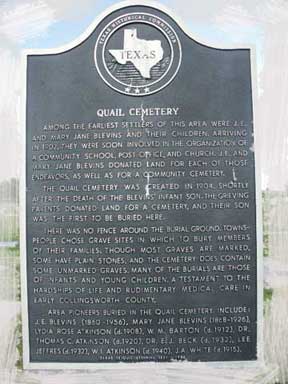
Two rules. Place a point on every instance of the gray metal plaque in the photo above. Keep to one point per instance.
(140, 224)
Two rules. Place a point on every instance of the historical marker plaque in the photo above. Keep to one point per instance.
(140, 237)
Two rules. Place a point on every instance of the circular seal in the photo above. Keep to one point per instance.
(138, 54)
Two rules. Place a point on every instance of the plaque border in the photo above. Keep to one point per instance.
(27, 364)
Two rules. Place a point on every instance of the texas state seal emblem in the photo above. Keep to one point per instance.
(138, 54)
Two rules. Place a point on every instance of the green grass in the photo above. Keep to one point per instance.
(268, 293)
(10, 260)
(19, 345)
(9, 228)
(266, 205)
